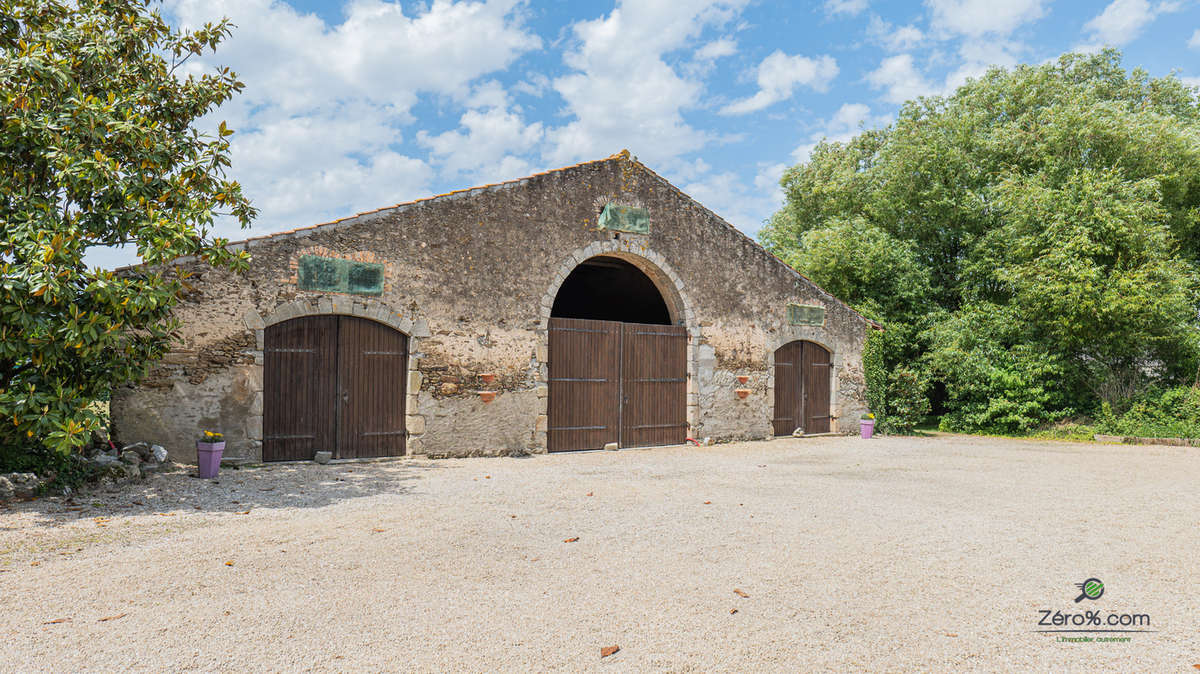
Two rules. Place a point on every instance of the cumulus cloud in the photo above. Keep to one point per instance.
(980, 55)
(490, 140)
(1194, 43)
(717, 49)
(975, 18)
(900, 79)
(849, 120)
(1123, 20)
(319, 125)
(779, 75)
(622, 92)
(892, 37)
(845, 7)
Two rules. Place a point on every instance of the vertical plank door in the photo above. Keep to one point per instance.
(653, 385)
(789, 393)
(817, 375)
(583, 376)
(372, 370)
(299, 387)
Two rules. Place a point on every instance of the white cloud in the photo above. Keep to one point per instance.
(1194, 43)
(717, 49)
(319, 123)
(778, 76)
(975, 18)
(846, 7)
(980, 55)
(1124, 20)
(726, 195)
(899, 78)
(622, 93)
(1191, 81)
(849, 121)
(892, 37)
(489, 146)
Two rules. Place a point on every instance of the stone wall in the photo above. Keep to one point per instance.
(470, 276)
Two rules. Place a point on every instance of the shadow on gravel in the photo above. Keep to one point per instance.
(179, 492)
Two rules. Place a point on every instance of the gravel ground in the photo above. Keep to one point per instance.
(893, 554)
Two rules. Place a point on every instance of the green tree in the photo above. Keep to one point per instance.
(866, 267)
(98, 148)
(1063, 199)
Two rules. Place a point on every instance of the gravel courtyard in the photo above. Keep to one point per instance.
(893, 554)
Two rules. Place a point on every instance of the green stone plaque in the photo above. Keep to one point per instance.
(334, 275)
(805, 314)
(625, 219)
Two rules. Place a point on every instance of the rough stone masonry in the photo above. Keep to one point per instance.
(470, 277)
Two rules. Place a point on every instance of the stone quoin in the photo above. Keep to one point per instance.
(569, 309)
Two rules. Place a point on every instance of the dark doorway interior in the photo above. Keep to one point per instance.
(610, 289)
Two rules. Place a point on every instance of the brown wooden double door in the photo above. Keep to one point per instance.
(333, 383)
(802, 377)
(616, 382)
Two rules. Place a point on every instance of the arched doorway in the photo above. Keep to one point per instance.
(617, 364)
(802, 386)
(333, 383)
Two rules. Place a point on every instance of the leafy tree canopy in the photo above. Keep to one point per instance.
(1038, 230)
(98, 148)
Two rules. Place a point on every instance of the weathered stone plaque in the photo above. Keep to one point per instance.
(334, 275)
(806, 314)
(625, 219)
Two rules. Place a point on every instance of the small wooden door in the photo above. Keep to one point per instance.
(803, 371)
(653, 385)
(334, 383)
(616, 382)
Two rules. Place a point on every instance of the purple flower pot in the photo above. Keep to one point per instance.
(208, 458)
(867, 428)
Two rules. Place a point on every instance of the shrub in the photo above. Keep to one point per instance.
(1155, 413)
(897, 390)
(59, 468)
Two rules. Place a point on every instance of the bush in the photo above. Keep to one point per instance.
(907, 399)
(1156, 413)
(58, 468)
(897, 390)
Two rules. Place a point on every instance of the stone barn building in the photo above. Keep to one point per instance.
(563, 311)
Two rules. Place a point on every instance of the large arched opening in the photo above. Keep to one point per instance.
(617, 360)
(607, 288)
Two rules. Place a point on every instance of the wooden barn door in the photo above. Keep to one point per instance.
(788, 389)
(616, 382)
(372, 369)
(802, 393)
(653, 385)
(299, 384)
(816, 368)
(584, 378)
(334, 383)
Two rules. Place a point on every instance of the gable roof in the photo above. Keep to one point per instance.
(623, 155)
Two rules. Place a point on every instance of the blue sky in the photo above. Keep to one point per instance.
(351, 106)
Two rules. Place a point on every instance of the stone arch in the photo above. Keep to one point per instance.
(368, 308)
(819, 337)
(636, 251)
(650, 263)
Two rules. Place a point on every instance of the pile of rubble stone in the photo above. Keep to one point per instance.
(18, 486)
(119, 465)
